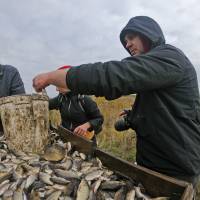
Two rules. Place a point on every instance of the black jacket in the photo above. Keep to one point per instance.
(10, 83)
(167, 110)
(76, 110)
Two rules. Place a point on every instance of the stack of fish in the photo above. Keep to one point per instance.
(61, 174)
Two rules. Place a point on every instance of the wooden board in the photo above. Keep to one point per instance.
(79, 143)
(155, 183)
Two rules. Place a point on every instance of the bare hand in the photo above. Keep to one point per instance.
(56, 78)
(82, 129)
(41, 81)
(122, 113)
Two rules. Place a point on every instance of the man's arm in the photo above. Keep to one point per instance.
(57, 78)
(155, 70)
(133, 75)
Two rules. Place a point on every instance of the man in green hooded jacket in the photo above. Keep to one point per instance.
(166, 114)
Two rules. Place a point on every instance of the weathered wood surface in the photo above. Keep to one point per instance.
(79, 143)
(25, 120)
(155, 183)
(188, 193)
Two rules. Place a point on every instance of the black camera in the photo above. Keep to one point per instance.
(123, 123)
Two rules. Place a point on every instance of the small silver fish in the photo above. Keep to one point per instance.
(67, 198)
(5, 174)
(59, 187)
(54, 196)
(8, 194)
(66, 174)
(54, 153)
(83, 156)
(76, 166)
(139, 194)
(93, 175)
(18, 194)
(30, 180)
(120, 194)
(96, 185)
(59, 180)
(45, 178)
(66, 165)
(34, 195)
(112, 185)
(83, 190)
(130, 195)
(4, 187)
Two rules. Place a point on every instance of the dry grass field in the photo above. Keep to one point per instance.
(121, 144)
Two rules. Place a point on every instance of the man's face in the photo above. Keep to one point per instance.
(134, 44)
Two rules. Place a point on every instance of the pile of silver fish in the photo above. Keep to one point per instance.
(62, 174)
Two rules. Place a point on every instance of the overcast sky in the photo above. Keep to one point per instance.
(40, 35)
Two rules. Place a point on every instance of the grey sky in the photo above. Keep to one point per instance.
(41, 35)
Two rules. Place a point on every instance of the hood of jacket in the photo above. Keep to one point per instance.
(145, 26)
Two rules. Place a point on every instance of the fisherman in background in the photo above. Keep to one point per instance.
(79, 113)
(10, 84)
(166, 112)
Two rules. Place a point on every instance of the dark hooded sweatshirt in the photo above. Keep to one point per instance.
(166, 114)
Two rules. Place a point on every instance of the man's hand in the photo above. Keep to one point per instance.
(82, 129)
(41, 81)
(56, 78)
(124, 112)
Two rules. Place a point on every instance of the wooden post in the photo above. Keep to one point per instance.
(25, 120)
